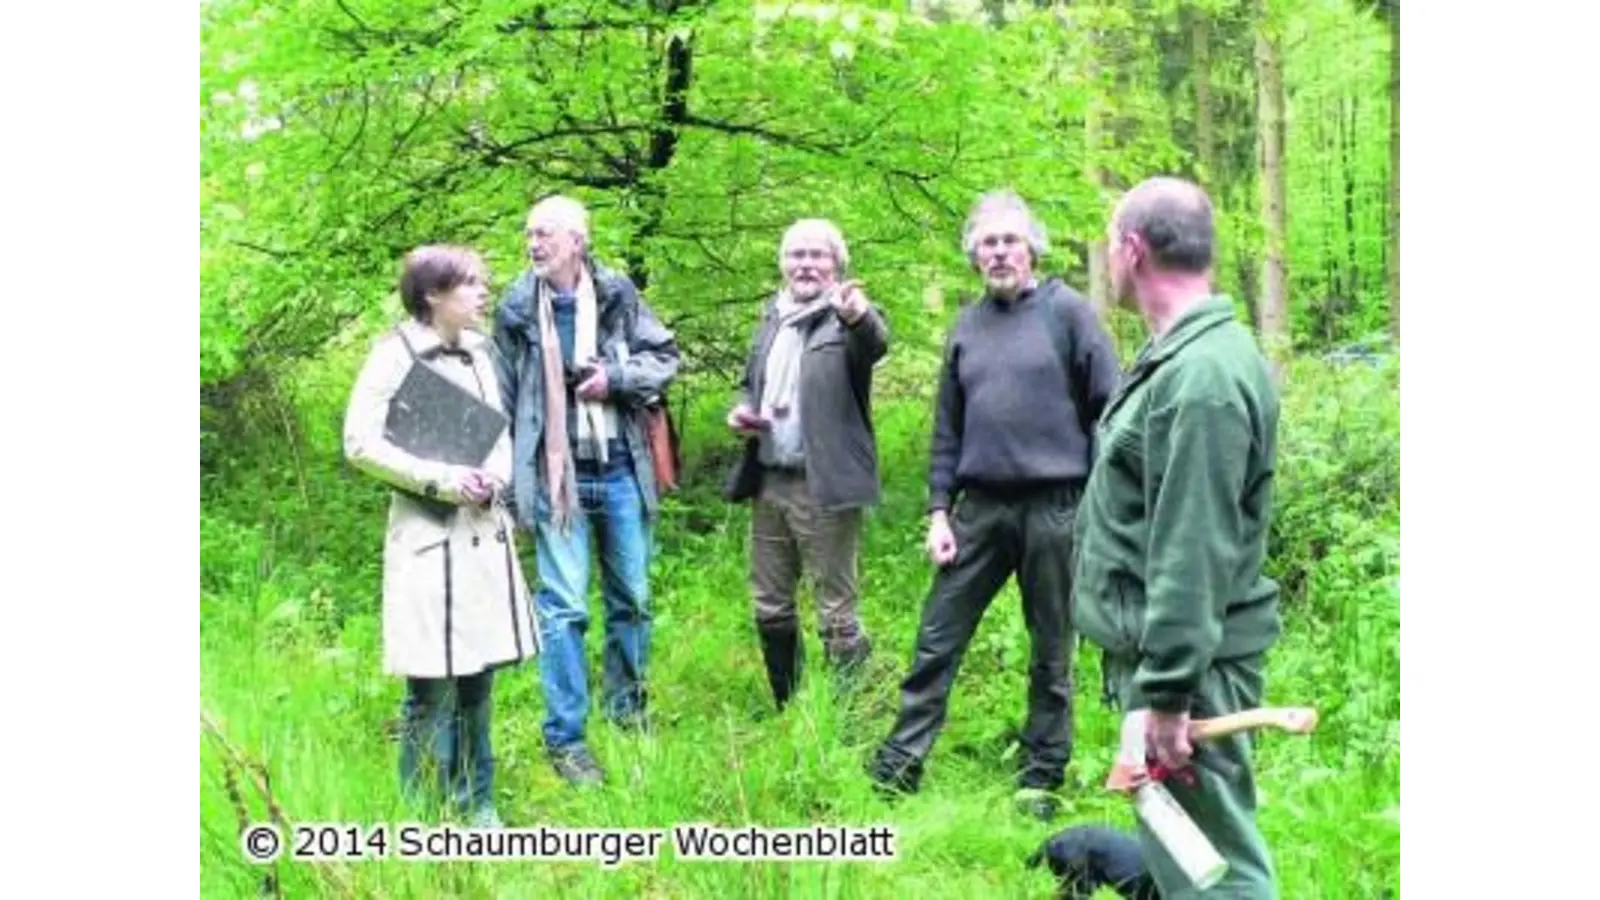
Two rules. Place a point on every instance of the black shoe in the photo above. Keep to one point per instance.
(577, 767)
(894, 776)
(1042, 774)
(782, 651)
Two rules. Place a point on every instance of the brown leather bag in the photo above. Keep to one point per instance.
(662, 436)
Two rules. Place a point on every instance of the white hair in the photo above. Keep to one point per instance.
(823, 229)
(1004, 203)
(563, 212)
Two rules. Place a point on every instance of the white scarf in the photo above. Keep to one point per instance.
(780, 392)
(596, 423)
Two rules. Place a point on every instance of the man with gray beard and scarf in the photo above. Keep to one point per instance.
(1027, 370)
(810, 463)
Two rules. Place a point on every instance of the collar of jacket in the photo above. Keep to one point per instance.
(1200, 318)
(428, 343)
(772, 313)
(518, 310)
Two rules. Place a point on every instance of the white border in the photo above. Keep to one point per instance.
(102, 446)
(1499, 313)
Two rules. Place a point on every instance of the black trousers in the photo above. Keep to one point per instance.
(1026, 533)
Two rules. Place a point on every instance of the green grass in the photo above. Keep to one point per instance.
(290, 672)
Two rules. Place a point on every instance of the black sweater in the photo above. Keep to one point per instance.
(1008, 415)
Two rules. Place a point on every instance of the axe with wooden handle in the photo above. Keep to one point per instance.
(1155, 806)
(1291, 719)
(1288, 719)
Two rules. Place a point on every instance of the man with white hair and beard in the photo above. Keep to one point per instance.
(1026, 372)
(580, 356)
(811, 460)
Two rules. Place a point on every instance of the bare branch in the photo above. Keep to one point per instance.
(355, 18)
(422, 114)
(786, 140)
(267, 251)
(894, 201)
(361, 129)
(538, 22)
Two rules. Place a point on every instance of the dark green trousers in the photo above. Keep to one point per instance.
(1028, 534)
(1223, 809)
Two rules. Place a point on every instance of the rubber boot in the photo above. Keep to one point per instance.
(783, 653)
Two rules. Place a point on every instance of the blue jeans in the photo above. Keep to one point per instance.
(444, 743)
(610, 505)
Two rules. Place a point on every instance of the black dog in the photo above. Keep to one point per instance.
(1089, 857)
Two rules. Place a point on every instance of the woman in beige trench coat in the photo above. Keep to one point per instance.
(455, 605)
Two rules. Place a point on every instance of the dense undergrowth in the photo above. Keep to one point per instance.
(290, 544)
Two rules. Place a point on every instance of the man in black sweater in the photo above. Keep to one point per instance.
(1026, 373)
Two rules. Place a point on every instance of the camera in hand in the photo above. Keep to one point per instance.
(578, 374)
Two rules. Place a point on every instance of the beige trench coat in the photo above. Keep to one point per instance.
(455, 601)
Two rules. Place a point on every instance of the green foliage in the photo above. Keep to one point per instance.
(1335, 546)
(1342, 444)
(290, 668)
(1337, 78)
(337, 135)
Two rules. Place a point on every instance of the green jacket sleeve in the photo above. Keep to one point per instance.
(1198, 450)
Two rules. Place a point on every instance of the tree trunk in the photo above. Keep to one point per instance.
(1393, 267)
(1204, 128)
(1247, 285)
(1327, 301)
(1273, 307)
(1243, 197)
(1094, 130)
(678, 62)
(1100, 277)
(1352, 277)
(995, 10)
(1211, 175)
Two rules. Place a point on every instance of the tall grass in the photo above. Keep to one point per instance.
(290, 673)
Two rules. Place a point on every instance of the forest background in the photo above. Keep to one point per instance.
(337, 134)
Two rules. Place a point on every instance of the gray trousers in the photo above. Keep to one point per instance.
(788, 534)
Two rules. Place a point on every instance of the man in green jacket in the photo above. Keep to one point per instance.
(1173, 524)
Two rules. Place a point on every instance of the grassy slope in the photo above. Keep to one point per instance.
(290, 643)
